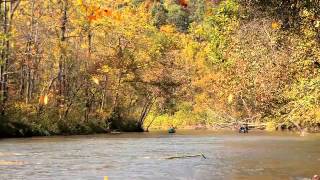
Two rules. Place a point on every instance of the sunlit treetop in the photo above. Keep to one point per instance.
(92, 11)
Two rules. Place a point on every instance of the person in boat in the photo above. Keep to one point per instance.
(171, 129)
(244, 128)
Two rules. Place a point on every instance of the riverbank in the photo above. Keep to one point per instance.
(52, 127)
(262, 128)
(26, 132)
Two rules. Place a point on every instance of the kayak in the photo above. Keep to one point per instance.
(171, 130)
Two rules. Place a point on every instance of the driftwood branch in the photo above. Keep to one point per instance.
(187, 156)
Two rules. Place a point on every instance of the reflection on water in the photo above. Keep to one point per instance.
(229, 155)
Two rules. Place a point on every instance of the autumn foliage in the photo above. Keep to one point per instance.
(183, 3)
(78, 67)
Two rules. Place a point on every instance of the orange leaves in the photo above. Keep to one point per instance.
(107, 12)
(93, 12)
(96, 13)
(92, 17)
(183, 3)
(43, 100)
(148, 4)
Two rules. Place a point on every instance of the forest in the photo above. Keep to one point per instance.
(92, 66)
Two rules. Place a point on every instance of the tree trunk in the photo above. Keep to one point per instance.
(61, 70)
(7, 9)
(4, 56)
(88, 104)
(145, 110)
(29, 58)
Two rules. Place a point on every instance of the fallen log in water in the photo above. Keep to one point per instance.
(187, 156)
(236, 125)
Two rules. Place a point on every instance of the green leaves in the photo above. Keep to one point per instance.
(303, 102)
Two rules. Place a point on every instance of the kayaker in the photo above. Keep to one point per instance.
(244, 129)
(171, 129)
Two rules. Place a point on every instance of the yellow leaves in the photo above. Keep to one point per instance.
(80, 2)
(168, 29)
(200, 30)
(306, 13)
(130, 76)
(143, 58)
(95, 80)
(230, 98)
(309, 32)
(117, 16)
(190, 50)
(271, 126)
(105, 69)
(275, 25)
(317, 113)
(44, 99)
(201, 102)
(317, 24)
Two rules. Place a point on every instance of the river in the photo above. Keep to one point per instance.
(229, 155)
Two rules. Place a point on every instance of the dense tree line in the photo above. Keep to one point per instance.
(84, 66)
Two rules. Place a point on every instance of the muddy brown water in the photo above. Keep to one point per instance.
(257, 155)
